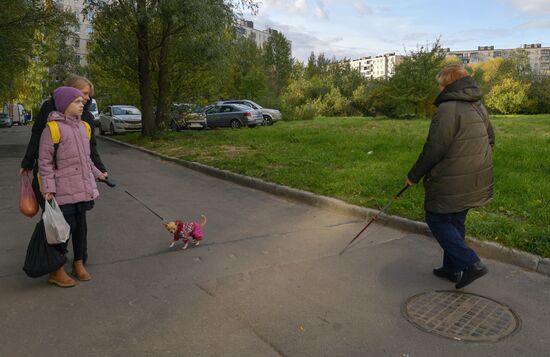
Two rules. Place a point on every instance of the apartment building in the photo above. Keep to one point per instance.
(82, 31)
(246, 28)
(382, 66)
(539, 57)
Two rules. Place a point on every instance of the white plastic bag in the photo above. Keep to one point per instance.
(57, 229)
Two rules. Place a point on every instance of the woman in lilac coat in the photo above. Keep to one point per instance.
(68, 174)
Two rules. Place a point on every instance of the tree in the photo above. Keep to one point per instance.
(538, 101)
(278, 61)
(413, 85)
(156, 29)
(23, 25)
(508, 96)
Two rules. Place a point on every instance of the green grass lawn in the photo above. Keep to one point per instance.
(364, 161)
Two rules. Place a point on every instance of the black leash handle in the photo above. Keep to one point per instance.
(375, 217)
(108, 182)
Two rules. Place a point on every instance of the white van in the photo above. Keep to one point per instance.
(16, 112)
(95, 111)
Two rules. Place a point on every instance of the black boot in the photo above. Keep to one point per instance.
(471, 273)
(446, 274)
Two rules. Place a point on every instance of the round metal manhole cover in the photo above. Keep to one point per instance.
(461, 316)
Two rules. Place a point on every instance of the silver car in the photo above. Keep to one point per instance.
(270, 116)
(119, 119)
(232, 115)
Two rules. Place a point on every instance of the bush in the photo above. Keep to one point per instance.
(507, 97)
(304, 112)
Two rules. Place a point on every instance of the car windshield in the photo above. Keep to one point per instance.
(3, 115)
(126, 111)
(93, 107)
(254, 105)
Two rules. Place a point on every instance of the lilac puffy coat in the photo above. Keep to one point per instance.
(74, 179)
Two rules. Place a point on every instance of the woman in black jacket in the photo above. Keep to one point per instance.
(30, 160)
(457, 166)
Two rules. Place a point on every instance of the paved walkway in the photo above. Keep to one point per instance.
(268, 280)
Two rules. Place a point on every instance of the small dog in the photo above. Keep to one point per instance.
(185, 231)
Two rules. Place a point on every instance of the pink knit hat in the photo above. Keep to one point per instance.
(64, 96)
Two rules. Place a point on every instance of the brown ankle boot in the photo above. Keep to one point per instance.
(79, 271)
(61, 279)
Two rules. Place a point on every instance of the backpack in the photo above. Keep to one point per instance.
(56, 137)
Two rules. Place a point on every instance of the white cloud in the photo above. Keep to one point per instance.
(534, 6)
(320, 11)
(362, 8)
(291, 6)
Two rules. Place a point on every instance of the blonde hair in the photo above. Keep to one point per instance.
(79, 82)
(450, 74)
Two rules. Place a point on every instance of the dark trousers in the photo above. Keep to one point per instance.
(79, 232)
(450, 231)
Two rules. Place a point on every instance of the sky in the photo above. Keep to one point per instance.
(357, 28)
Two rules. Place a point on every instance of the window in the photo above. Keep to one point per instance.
(226, 109)
(213, 110)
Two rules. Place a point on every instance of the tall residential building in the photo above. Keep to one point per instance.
(539, 57)
(382, 66)
(246, 28)
(83, 31)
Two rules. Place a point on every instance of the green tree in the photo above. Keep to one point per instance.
(155, 30)
(278, 61)
(508, 96)
(538, 101)
(413, 85)
(24, 25)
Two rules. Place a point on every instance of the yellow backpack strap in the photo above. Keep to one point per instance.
(54, 131)
(88, 129)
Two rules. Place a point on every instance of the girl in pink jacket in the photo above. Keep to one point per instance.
(68, 173)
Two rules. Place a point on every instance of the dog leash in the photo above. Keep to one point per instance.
(112, 184)
(375, 217)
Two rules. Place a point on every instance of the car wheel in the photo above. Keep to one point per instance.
(112, 129)
(235, 124)
(267, 120)
(252, 126)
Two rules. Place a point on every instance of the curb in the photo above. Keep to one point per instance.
(486, 249)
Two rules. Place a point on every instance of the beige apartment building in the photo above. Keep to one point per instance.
(246, 28)
(539, 57)
(382, 66)
(83, 31)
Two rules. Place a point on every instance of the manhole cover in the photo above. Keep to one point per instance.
(461, 316)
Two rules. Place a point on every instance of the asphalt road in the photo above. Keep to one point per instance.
(267, 281)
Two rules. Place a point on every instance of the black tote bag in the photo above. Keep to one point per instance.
(42, 258)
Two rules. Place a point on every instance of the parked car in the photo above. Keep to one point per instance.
(187, 116)
(119, 119)
(270, 115)
(5, 120)
(95, 112)
(232, 115)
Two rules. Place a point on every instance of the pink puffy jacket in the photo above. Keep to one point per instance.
(74, 179)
